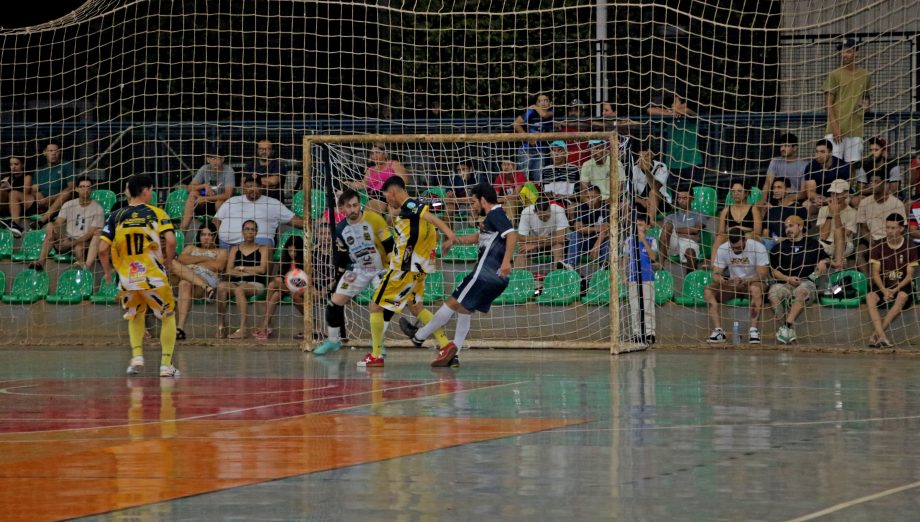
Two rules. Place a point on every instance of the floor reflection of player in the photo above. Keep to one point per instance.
(138, 423)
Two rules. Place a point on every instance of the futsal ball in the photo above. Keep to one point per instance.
(296, 280)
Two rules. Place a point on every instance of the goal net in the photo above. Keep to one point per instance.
(714, 94)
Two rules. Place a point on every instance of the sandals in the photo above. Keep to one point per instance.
(239, 334)
(209, 293)
(298, 336)
(262, 335)
(180, 334)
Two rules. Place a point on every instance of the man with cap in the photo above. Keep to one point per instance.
(837, 224)
(795, 263)
(846, 92)
(596, 171)
(559, 177)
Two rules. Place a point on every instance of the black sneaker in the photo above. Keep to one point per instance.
(454, 361)
(410, 330)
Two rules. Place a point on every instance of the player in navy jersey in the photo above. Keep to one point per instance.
(484, 284)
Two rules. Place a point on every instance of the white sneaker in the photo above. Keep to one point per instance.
(169, 371)
(136, 365)
(753, 336)
(717, 336)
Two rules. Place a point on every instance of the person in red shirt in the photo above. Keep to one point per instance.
(508, 184)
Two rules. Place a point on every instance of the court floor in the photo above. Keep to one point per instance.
(249, 434)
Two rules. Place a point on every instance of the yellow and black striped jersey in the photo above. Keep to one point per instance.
(416, 239)
(138, 250)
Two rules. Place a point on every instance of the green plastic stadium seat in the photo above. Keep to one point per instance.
(598, 289)
(860, 283)
(753, 198)
(705, 200)
(2, 283)
(31, 247)
(459, 278)
(362, 197)
(180, 241)
(738, 301)
(175, 204)
(28, 287)
(365, 296)
(664, 287)
(6, 243)
(66, 257)
(434, 288)
(73, 286)
(520, 290)
(694, 286)
(253, 298)
(297, 204)
(107, 293)
(706, 239)
(560, 287)
(154, 199)
(439, 193)
(463, 253)
(105, 198)
(279, 248)
(317, 203)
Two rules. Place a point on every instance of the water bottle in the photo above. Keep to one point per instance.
(736, 334)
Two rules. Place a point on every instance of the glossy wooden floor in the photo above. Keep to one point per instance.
(537, 435)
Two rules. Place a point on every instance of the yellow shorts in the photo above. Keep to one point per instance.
(398, 288)
(160, 300)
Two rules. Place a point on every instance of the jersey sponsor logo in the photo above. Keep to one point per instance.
(350, 240)
(137, 271)
(410, 205)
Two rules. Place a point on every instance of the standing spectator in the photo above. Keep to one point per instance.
(270, 171)
(846, 91)
(16, 192)
(543, 228)
(247, 266)
(684, 159)
(576, 121)
(795, 263)
(596, 171)
(748, 267)
(878, 163)
(871, 216)
(837, 225)
(197, 268)
(559, 177)
(591, 228)
(268, 213)
(782, 205)
(788, 166)
(212, 185)
(740, 214)
(643, 321)
(381, 169)
(649, 180)
(893, 263)
(53, 184)
(681, 231)
(75, 228)
(537, 118)
(821, 172)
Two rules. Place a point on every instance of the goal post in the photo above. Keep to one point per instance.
(533, 322)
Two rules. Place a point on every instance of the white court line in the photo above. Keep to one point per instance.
(851, 503)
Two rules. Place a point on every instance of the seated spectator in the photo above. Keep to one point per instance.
(649, 181)
(542, 229)
(783, 204)
(681, 231)
(456, 200)
(893, 264)
(591, 228)
(291, 258)
(559, 177)
(748, 267)
(508, 185)
(795, 262)
(270, 171)
(643, 317)
(75, 229)
(380, 170)
(877, 163)
(53, 184)
(740, 214)
(247, 266)
(212, 185)
(267, 212)
(197, 269)
(596, 170)
(872, 215)
(16, 192)
(787, 166)
(837, 225)
(820, 173)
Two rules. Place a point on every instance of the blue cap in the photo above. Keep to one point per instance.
(559, 143)
(848, 43)
(596, 142)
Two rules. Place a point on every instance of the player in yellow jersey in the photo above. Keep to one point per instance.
(139, 241)
(412, 258)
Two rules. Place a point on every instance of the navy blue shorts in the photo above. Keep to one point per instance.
(477, 294)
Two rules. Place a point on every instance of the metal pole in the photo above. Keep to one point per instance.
(600, 63)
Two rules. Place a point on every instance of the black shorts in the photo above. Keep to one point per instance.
(477, 291)
(209, 208)
(909, 290)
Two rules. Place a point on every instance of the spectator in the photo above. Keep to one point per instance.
(16, 192)
(53, 184)
(596, 171)
(837, 225)
(576, 120)
(782, 205)
(821, 172)
(212, 185)
(740, 214)
(537, 118)
(878, 163)
(268, 213)
(591, 228)
(508, 185)
(542, 229)
(75, 229)
(681, 231)
(457, 197)
(649, 180)
(270, 171)
(684, 159)
(795, 263)
(748, 267)
(247, 266)
(559, 177)
(197, 269)
(893, 264)
(291, 258)
(871, 217)
(381, 169)
(846, 91)
(787, 166)
(643, 316)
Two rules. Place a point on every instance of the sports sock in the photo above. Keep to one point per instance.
(377, 329)
(136, 334)
(167, 339)
(335, 319)
(462, 329)
(433, 324)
